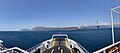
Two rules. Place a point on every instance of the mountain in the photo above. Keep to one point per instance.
(41, 28)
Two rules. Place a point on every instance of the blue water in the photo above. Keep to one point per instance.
(91, 39)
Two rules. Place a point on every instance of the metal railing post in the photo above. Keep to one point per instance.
(112, 23)
(104, 51)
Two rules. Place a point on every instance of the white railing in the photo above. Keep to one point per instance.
(104, 49)
(60, 35)
(81, 47)
(112, 20)
(11, 50)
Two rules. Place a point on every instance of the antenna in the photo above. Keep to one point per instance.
(112, 21)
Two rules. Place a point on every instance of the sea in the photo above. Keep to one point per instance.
(91, 39)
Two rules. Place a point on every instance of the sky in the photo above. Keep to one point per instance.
(19, 14)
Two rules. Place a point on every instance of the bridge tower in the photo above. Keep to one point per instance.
(97, 24)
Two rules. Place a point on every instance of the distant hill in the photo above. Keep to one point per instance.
(41, 28)
(25, 30)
